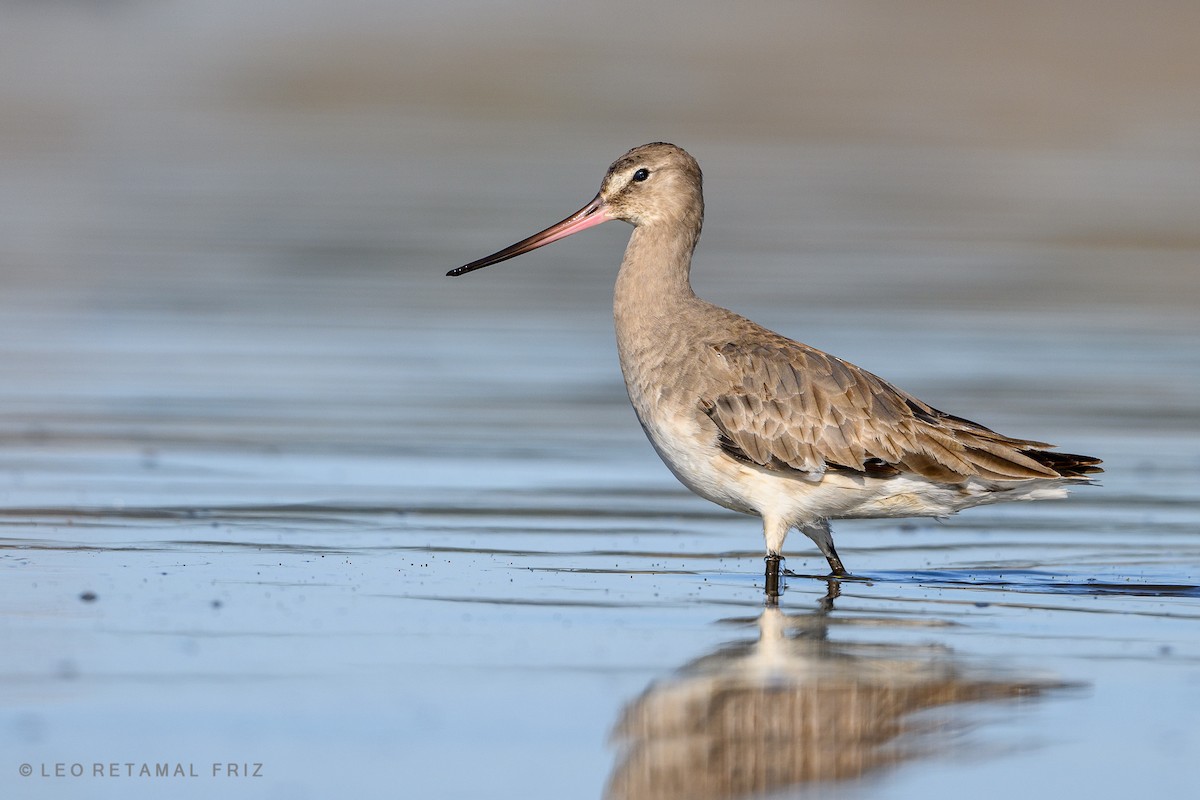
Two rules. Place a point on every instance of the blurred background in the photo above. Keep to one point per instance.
(1026, 153)
(229, 350)
(183, 182)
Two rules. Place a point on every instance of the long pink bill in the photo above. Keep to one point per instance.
(589, 216)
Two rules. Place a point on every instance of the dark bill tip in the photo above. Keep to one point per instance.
(590, 215)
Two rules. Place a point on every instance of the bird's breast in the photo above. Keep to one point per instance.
(667, 379)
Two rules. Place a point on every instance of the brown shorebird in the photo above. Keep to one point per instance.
(758, 423)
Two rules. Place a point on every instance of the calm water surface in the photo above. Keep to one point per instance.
(274, 491)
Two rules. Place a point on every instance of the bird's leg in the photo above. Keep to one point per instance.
(823, 538)
(775, 530)
(773, 561)
(836, 570)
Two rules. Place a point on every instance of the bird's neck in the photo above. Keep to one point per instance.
(654, 276)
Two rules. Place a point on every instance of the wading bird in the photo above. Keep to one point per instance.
(761, 424)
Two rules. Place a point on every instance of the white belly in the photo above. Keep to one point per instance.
(692, 454)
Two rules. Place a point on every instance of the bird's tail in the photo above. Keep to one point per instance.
(1067, 465)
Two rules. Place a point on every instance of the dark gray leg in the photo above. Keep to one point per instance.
(773, 562)
(823, 538)
(836, 569)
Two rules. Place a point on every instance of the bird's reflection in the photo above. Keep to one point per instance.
(794, 707)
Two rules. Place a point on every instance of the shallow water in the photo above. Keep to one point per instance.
(274, 491)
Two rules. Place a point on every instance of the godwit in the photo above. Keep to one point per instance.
(758, 423)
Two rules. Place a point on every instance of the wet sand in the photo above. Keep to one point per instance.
(274, 491)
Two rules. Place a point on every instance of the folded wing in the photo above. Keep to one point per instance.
(792, 407)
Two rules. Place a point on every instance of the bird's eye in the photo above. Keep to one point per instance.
(641, 175)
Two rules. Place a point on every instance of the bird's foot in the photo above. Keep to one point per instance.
(832, 577)
(846, 576)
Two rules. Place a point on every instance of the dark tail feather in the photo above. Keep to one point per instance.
(1068, 465)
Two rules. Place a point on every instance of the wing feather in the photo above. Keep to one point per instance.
(788, 406)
